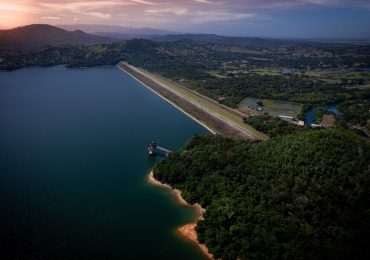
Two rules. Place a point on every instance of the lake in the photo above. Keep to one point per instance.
(310, 113)
(73, 167)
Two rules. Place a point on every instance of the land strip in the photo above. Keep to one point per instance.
(188, 231)
(218, 118)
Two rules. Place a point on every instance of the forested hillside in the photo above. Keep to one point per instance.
(273, 126)
(300, 196)
(35, 36)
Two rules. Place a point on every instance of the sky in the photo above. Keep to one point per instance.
(265, 18)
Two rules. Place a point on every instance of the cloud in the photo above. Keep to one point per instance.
(289, 4)
(18, 6)
(76, 6)
(220, 16)
(50, 17)
(98, 15)
(143, 2)
(94, 9)
(203, 16)
(173, 10)
(168, 13)
(205, 1)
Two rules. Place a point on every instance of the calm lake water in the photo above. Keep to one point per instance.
(310, 113)
(73, 167)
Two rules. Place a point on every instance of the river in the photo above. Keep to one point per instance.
(73, 167)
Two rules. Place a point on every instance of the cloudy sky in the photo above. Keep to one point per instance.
(272, 18)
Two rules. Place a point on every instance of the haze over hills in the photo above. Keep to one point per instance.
(40, 35)
(117, 32)
(226, 40)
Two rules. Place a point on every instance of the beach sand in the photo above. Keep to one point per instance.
(188, 230)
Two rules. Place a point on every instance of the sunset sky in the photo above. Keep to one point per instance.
(273, 18)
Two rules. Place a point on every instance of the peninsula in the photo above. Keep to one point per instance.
(285, 198)
(188, 231)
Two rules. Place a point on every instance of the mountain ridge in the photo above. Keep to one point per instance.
(117, 32)
(43, 35)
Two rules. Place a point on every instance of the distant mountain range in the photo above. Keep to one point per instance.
(117, 32)
(227, 40)
(41, 35)
(126, 33)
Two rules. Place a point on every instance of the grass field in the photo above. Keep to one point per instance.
(266, 71)
(216, 74)
(339, 76)
(273, 107)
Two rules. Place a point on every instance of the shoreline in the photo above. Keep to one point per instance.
(214, 117)
(169, 101)
(187, 231)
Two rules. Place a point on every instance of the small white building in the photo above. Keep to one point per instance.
(291, 120)
(286, 117)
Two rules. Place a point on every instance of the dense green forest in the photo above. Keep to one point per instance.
(299, 196)
(273, 126)
(356, 112)
(319, 113)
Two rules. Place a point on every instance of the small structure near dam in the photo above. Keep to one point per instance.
(292, 120)
(154, 149)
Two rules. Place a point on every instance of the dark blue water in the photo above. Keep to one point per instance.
(73, 167)
(309, 117)
(310, 113)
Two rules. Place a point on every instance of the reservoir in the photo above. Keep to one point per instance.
(73, 167)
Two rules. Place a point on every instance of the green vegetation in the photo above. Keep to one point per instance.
(356, 112)
(301, 196)
(302, 114)
(319, 113)
(215, 74)
(273, 126)
(272, 107)
(285, 87)
(266, 71)
(230, 69)
(227, 72)
(342, 77)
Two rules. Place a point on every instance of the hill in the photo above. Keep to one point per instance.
(227, 40)
(41, 35)
(117, 32)
(301, 196)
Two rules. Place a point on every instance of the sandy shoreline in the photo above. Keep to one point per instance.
(188, 230)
